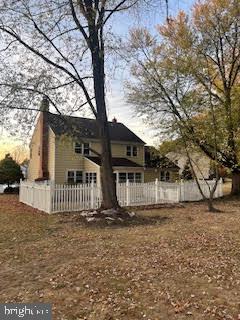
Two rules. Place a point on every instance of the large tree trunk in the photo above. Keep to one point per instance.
(235, 183)
(109, 197)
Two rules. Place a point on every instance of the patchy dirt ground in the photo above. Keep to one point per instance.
(185, 264)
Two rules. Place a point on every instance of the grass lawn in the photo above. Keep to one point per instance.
(184, 265)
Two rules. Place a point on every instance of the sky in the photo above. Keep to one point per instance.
(116, 99)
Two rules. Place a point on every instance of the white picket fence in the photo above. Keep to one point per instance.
(50, 197)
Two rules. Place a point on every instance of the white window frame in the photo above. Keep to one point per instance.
(81, 148)
(84, 176)
(90, 173)
(75, 175)
(127, 176)
(165, 175)
(131, 151)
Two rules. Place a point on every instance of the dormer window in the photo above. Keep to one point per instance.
(82, 148)
(131, 151)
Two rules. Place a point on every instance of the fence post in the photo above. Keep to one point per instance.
(182, 192)
(178, 191)
(220, 185)
(156, 190)
(92, 195)
(127, 193)
(20, 191)
(51, 193)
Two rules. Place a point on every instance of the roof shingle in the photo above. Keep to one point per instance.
(87, 128)
(116, 162)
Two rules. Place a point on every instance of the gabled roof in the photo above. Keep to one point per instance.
(162, 163)
(116, 162)
(156, 161)
(87, 128)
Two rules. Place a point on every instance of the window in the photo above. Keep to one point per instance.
(74, 177)
(162, 176)
(79, 177)
(70, 178)
(78, 148)
(138, 177)
(165, 176)
(90, 176)
(86, 149)
(82, 148)
(134, 151)
(122, 177)
(131, 151)
(131, 176)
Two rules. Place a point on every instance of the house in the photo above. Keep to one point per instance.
(62, 149)
(160, 167)
(24, 168)
(201, 163)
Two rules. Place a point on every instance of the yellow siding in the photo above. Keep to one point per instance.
(51, 155)
(151, 174)
(90, 166)
(119, 150)
(34, 163)
(66, 158)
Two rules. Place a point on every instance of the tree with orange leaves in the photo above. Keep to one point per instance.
(187, 80)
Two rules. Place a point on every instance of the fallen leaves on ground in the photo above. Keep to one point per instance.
(185, 265)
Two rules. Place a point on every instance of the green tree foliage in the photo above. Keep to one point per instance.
(187, 173)
(170, 146)
(10, 171)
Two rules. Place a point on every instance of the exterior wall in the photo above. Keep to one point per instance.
(201, 163)
(119, 150)
(51, 155)
(34, 162)
(66, 159)
(117, 170)
(34, 168)
(89, 166)
(62, 157)
(151, 174)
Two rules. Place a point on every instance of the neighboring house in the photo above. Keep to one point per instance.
(159, 167)
(24, 169)
(61, 150)
(201, 163)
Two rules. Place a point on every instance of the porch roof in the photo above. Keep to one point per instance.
(116, 162)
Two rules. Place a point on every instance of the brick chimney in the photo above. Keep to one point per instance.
(43, 144)
(114, 120)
